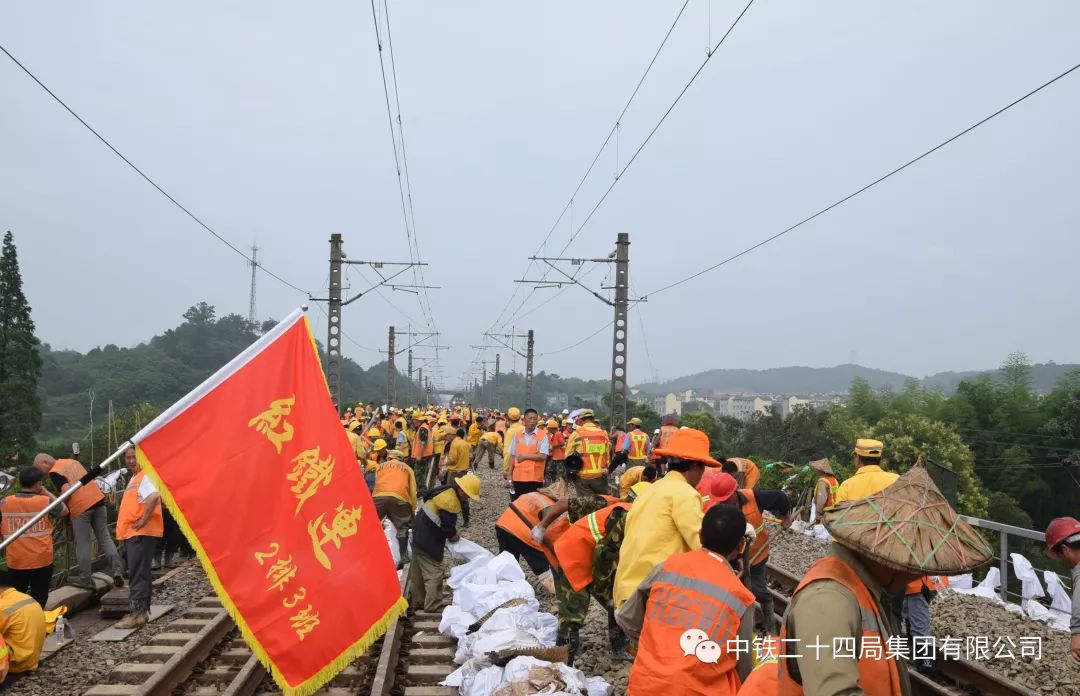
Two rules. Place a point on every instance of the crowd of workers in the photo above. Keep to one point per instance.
(669, 540)
(666, 538)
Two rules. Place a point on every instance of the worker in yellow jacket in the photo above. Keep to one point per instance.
(869, 477)
(22, 626)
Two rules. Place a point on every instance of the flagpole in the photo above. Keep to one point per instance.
(90, 476)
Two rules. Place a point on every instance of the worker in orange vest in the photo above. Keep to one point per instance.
(725, 491)
(744, 470)
(423, 446)
(395, 496)
(528, 455)
(590, 446)
(557, 445)
(514, 529)
(139, 524)
(636, 445)
(916, 611)
(588, 554)
(89, 521)
(29, 557)
(684, 613)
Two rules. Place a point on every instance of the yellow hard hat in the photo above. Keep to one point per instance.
(865, 447)
(553, 423)
(470, 484)
(352, 426)
(513, 413)
(635, 421)
(441, 421)
(374, 432)
(379, 445)
(639, 487)
(585, 413)
(395, 454)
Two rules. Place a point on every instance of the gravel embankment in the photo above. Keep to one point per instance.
(84, 663)
(956, 615)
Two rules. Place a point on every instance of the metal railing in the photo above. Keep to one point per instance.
(1004, 531)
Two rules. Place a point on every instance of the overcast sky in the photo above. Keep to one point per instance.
(268, 120)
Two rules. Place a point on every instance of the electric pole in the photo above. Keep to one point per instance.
(497, 402)
(410, 366)
(621, 304)
(528, 355)
(254, 266)
(391, 371)
(336, 303)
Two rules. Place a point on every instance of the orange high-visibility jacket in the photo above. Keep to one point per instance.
(833, 484)
(131, 511)
(877, 677)
(82, 499)
(395, 479)
(34, 549)
(639, 446)
(666, 431)
(759, 550)
(557, 442)
(594, 452)
(531, 506)
(934, 583)
(421, 450)
(575, 548)
(527, 469)
(751, 473)
(694, 590)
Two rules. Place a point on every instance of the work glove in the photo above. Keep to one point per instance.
(538, 533)
(751, 533)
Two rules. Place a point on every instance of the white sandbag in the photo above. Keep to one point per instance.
(819, 532)
(960, 582)
(465, 550)
(480, 599)
(475, 570)
(1059, 597)
(1031, 586)
(991, 582)
(598, 686)
(484, 683)
(455, 621)
(525, 618)
(506, 568)
(390, 532)
(478, 645)
(1051, 617)
(518, 668)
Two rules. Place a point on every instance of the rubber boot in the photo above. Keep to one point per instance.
(573, 645)
(768, 618)
(618, 645)
(157, 561)
(171, 560)
(561, 635)
(403, 547)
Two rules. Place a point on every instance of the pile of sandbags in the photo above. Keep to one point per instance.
(494, 609)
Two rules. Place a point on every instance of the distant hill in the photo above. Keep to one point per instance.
(832, 380)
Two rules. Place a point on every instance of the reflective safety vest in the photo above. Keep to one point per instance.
(666, 431)
(84, 498)
(34, 549)
(749, 470)
(694, 590)
(877, 676)
(131, 511)
(833, 484)
(934, 583)
(528, 469)
(392, 480)
(594, 452)
(421, 450)
(639, 446)
(4, 664)
(575, 548)
(557, 442)
(759, 550)
(524, 514)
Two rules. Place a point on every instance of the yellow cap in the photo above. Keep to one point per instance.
(585, 413)
(868, 448)
(470, 484)
(635, 421)
(513, 413)
(374, 432)
(553, 423)
(379, 445)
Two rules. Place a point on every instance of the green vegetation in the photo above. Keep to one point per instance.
(1012, 453)
(20, 365)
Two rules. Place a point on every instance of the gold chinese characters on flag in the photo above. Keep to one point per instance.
(257, 470)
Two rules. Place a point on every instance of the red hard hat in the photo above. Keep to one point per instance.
(723, 487)
(1061, 529)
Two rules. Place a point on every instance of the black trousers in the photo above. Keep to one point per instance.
(538, 562)
(174, 539)
(139, 551)
(33, 581)
(523, 487)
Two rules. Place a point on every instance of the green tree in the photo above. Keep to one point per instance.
(20, 364)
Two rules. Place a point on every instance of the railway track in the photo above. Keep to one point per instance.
(957, 677)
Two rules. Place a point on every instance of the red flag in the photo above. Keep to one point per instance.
(257, 470)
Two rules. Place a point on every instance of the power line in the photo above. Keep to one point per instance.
(575, 345)
(148, 180)
(867, 187)
(648, 138)
(607, 140)
(347, 336)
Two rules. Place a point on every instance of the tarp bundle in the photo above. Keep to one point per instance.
(909, 526)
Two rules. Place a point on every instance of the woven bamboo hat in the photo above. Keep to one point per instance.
(556, 491)
(910, 527)
(823, 466)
